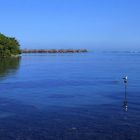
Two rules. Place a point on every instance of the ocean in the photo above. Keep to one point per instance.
(70, 96)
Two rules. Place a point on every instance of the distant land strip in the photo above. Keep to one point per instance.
(54, 50)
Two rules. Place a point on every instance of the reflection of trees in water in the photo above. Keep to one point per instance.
(8, 66)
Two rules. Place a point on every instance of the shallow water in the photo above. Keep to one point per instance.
(70, 97)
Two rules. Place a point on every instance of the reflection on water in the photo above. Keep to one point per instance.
(125, 103)
(8, 66)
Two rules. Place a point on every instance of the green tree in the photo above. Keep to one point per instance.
(8, 46)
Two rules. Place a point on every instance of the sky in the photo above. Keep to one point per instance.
(93, 24)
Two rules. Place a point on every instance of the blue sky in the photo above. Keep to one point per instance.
(94, 24)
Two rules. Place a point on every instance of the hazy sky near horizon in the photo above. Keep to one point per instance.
(91, 24)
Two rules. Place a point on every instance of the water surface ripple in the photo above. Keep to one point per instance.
(70, 97)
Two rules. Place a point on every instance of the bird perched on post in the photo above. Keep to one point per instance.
(125, 79)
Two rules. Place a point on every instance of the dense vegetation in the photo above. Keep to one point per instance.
(8, 46)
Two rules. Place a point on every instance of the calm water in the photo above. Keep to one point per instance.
(70, 97)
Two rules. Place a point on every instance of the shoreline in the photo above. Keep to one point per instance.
(54, 51)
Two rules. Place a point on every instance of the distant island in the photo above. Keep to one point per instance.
(54, 50)
(9, 46)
